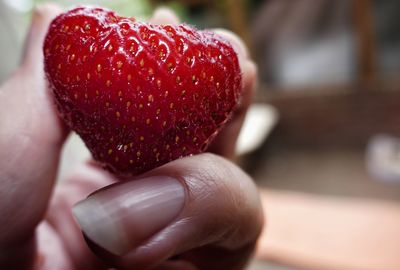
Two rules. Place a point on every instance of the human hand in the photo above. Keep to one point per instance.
(199, 212)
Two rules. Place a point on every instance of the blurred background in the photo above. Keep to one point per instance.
(325, 121)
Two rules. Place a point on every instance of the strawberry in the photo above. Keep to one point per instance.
(139, 95)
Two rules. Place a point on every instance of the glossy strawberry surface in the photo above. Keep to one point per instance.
(139, 95)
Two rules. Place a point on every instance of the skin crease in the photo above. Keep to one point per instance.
(36, 222)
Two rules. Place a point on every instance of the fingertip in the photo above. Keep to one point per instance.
(164, 15)
(250, 73)
(47, 9)
(236, 42)
(41, 18)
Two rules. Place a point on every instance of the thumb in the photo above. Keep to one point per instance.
(193, 202)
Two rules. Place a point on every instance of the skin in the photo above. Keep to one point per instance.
(36, 222)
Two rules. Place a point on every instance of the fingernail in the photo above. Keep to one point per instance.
(119, 218)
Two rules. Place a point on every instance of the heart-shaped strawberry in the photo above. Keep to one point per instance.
(139, 95)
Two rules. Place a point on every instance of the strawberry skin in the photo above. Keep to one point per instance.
(139, 95)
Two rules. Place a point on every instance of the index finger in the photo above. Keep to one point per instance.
(31, 137)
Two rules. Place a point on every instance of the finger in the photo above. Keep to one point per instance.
(51, 252)
(236, 42)
(164, 15)
(84, 181)
(31, 136)
(32, 58)
(186, 204)
(224, 143)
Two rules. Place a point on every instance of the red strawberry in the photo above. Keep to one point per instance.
(139, 95)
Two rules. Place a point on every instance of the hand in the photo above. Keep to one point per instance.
(200, 212)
